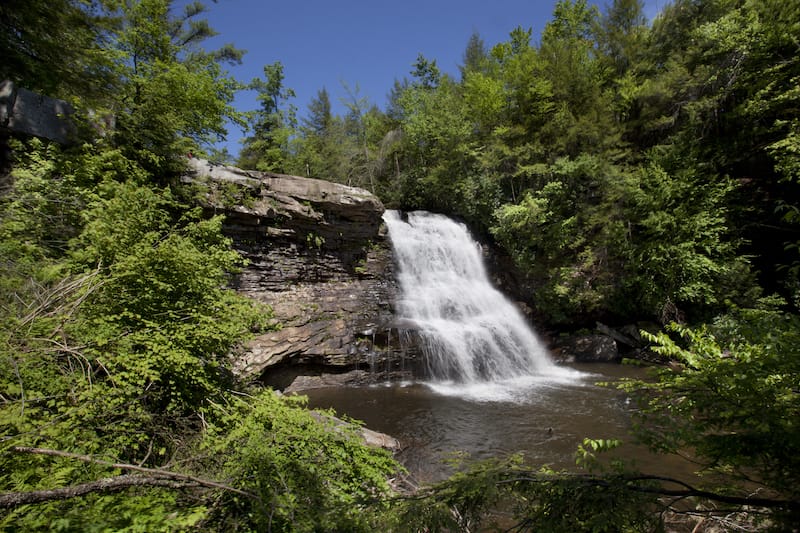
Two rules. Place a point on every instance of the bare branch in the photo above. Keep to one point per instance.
(632, 483)
(155, 472)
(105, 485)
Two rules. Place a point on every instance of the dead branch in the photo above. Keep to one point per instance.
(632, 483)
(104, 485)
(154, 473)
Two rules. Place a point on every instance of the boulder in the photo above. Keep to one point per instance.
(628, 335)
(588, 349)
(368, 436)
(25, 112)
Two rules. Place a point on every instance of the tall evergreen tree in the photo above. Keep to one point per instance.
(273, 124)
(175, 98)
(620, 33)
(318, 148)
(475, 55)
(320, 118)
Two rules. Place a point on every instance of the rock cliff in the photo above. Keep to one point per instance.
(23, 112)
(317, 255)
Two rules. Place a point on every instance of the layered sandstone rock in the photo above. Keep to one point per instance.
(316, 255)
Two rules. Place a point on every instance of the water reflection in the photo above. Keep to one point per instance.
(545, 419)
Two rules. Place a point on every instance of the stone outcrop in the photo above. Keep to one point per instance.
(368, 436)
(607, 344)
(24, 112)
(316, 254)
(593, 348)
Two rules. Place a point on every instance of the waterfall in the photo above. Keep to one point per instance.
(470, 333)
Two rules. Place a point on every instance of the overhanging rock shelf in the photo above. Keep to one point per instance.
(317, 255)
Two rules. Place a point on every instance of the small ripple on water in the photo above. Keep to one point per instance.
(544, 418)
(522, 389)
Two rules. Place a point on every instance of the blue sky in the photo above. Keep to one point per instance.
(362, 44)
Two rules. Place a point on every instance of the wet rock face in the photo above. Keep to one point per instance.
(316, 255)
(340, 322)
(592, 348)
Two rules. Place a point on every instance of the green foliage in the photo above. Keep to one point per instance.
(116, 323)
(679, 241)
(138, 62)
(730, 400)
(142, 510)
(322, 143)
(273, 124)
(507, 495)
(586, 456)
(426, 74)
(41, 214)
(308, 471)
(675, 146)
(435, 125)
(314, 240)
(734, 398)
(113, 339)
(629, 170)
(574, 252)
(56, 47)
(176, 98)
(476, 55)
(621, 32)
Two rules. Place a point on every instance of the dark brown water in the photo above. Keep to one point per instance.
(545, 419)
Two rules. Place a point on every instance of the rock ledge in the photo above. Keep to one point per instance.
(316, 254)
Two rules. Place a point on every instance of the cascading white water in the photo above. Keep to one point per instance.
(471, 333)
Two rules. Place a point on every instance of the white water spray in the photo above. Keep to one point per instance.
(471, 334)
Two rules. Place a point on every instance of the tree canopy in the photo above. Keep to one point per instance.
(631, 169)
(118, 406)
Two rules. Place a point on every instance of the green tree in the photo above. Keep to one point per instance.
(475, 55)
(436, 133)
(320, 118)
(733, 401)
(521, 104)
(273, 124)
(115, 328)
(577, 76)
(620, 34)
(317, 152)
(682, 252)
(119, 408)
(305, 470)
(426, 74)
(175, 97)
(57, 47)
(747, 122)
(358, 153)
(569, 242)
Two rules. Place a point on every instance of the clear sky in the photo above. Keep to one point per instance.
(363, 44)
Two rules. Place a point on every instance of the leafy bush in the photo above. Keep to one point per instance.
(306, 471)
(734, 399)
